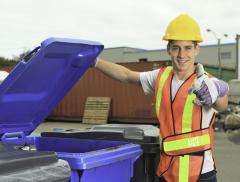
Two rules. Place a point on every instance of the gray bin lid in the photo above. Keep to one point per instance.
(130, 131)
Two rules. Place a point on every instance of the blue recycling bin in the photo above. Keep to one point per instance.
(35, 86)
(94, 160)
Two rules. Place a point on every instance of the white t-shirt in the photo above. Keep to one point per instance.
(148, 80)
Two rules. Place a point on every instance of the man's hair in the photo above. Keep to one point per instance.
(171, 41)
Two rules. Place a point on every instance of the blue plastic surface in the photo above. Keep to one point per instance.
(94, 160)
(35, 87)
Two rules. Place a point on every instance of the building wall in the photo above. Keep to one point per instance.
(208, 55)
(117, 55)
(154, 55)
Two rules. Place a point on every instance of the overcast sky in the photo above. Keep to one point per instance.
(115, 23)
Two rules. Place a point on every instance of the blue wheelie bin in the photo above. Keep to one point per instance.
(35, 86)
(147, 136)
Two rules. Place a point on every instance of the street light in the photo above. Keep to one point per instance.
(219, 51)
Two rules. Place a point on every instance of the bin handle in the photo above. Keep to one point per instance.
(17, 138)
(27, 55)
(8, 136)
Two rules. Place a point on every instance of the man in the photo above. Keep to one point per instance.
(187, 99)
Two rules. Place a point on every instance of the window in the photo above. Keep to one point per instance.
(143, 60)
(226, 55)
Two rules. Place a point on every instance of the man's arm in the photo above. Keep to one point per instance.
(118, 72)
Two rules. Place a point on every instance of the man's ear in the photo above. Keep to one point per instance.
(197, 50)
(168, 48)
(168, 51)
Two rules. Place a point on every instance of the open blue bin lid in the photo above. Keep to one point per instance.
(34, 88)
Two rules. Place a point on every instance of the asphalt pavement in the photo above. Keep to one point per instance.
(227, 157)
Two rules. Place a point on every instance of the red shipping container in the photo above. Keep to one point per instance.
(128, 101)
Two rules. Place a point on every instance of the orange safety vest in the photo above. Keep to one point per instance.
(183, 140)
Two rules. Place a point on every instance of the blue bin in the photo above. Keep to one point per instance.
(94, 160)
(35, 86)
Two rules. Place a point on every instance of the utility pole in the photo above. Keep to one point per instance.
(238, 55)
(219, 58)
(218, 52)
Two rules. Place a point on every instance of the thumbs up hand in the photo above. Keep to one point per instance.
(204, 88)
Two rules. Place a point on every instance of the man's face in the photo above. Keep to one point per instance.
(183, 54)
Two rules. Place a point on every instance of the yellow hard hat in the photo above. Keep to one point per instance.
(183, 27)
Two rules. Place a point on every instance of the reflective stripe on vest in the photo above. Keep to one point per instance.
(160, 87)
(186, 127)
(187, 114)
(195, 141)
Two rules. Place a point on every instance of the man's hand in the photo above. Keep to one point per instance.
(204, 88)
(94, 63)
